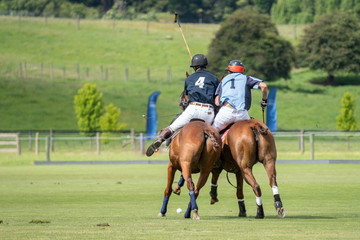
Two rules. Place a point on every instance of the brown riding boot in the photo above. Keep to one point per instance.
(164, 134)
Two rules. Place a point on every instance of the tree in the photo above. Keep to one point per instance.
(253, 39)
(187, 9)
(212, 10)
(107, 4)
(264, 6)
(305, 11)
(88, 105)
(331, 44)
(110, 121)
(346, 121)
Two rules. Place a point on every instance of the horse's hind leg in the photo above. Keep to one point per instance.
(249, 178)
(271, 171)
(177, 188)
(204, 175)
(214, 179)
(240, 194)
(167, 193)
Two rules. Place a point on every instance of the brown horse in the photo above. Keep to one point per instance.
(246, 143)
(195, 149)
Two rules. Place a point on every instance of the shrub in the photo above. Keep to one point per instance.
(110, 121)
(346, 121)
(89, 108)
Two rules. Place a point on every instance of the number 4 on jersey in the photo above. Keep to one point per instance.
(200, 82)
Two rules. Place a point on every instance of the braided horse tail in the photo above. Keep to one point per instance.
(212, 139)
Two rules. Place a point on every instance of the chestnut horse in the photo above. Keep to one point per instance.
(195, 149)
(246, 143)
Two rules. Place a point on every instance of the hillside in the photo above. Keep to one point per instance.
(42, 101)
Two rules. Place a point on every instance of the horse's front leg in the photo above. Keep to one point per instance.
(271, 171)
(240, 194)
(214, 179)
(249, 178)
(167, 193)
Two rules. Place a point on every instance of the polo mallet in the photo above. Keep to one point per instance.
(176, 20)
(263, 109)
(263, 115)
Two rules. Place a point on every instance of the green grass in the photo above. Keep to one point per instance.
(68, 202)
(45, 104)
(97, 42)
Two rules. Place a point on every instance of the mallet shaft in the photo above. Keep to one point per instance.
(176, 20)
(186, 43)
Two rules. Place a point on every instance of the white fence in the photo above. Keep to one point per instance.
(291, 145)
(10, 142)
(51, 72)
(319, 144)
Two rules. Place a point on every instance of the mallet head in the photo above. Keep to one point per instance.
(175, 17)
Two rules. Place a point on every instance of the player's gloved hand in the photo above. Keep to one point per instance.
(263, 103)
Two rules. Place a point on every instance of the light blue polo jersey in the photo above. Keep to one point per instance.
(235, 89)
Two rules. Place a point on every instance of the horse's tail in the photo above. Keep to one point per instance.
(210, 135)
(258, 130)
(266, 145)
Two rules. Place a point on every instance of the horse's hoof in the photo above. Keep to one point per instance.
(242, 214)
(177, 190)
(213, 200)
(279, 209)
(242, 209)
(196, 215)
(260, 212)
(161, 215)
(280, 212)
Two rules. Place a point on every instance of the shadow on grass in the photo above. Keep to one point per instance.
(340, 80)
(304, 90)
(299, 88)
(308, 217)
(251, 218)
(316, 84)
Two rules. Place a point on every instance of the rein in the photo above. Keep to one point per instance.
(227, 177)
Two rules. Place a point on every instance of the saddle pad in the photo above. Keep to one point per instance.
(224, 135)
(168, 141)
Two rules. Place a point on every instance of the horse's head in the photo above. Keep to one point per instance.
(183, 102)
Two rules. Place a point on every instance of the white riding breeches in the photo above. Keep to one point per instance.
(227, 115)
(205, 113)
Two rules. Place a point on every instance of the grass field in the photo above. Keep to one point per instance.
(122, 201)
(69, 202)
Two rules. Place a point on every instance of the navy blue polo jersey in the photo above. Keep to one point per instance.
(201, 86)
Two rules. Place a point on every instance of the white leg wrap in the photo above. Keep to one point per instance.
(240, 200)
(275, 190)
(213, 185)
(258, 201)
